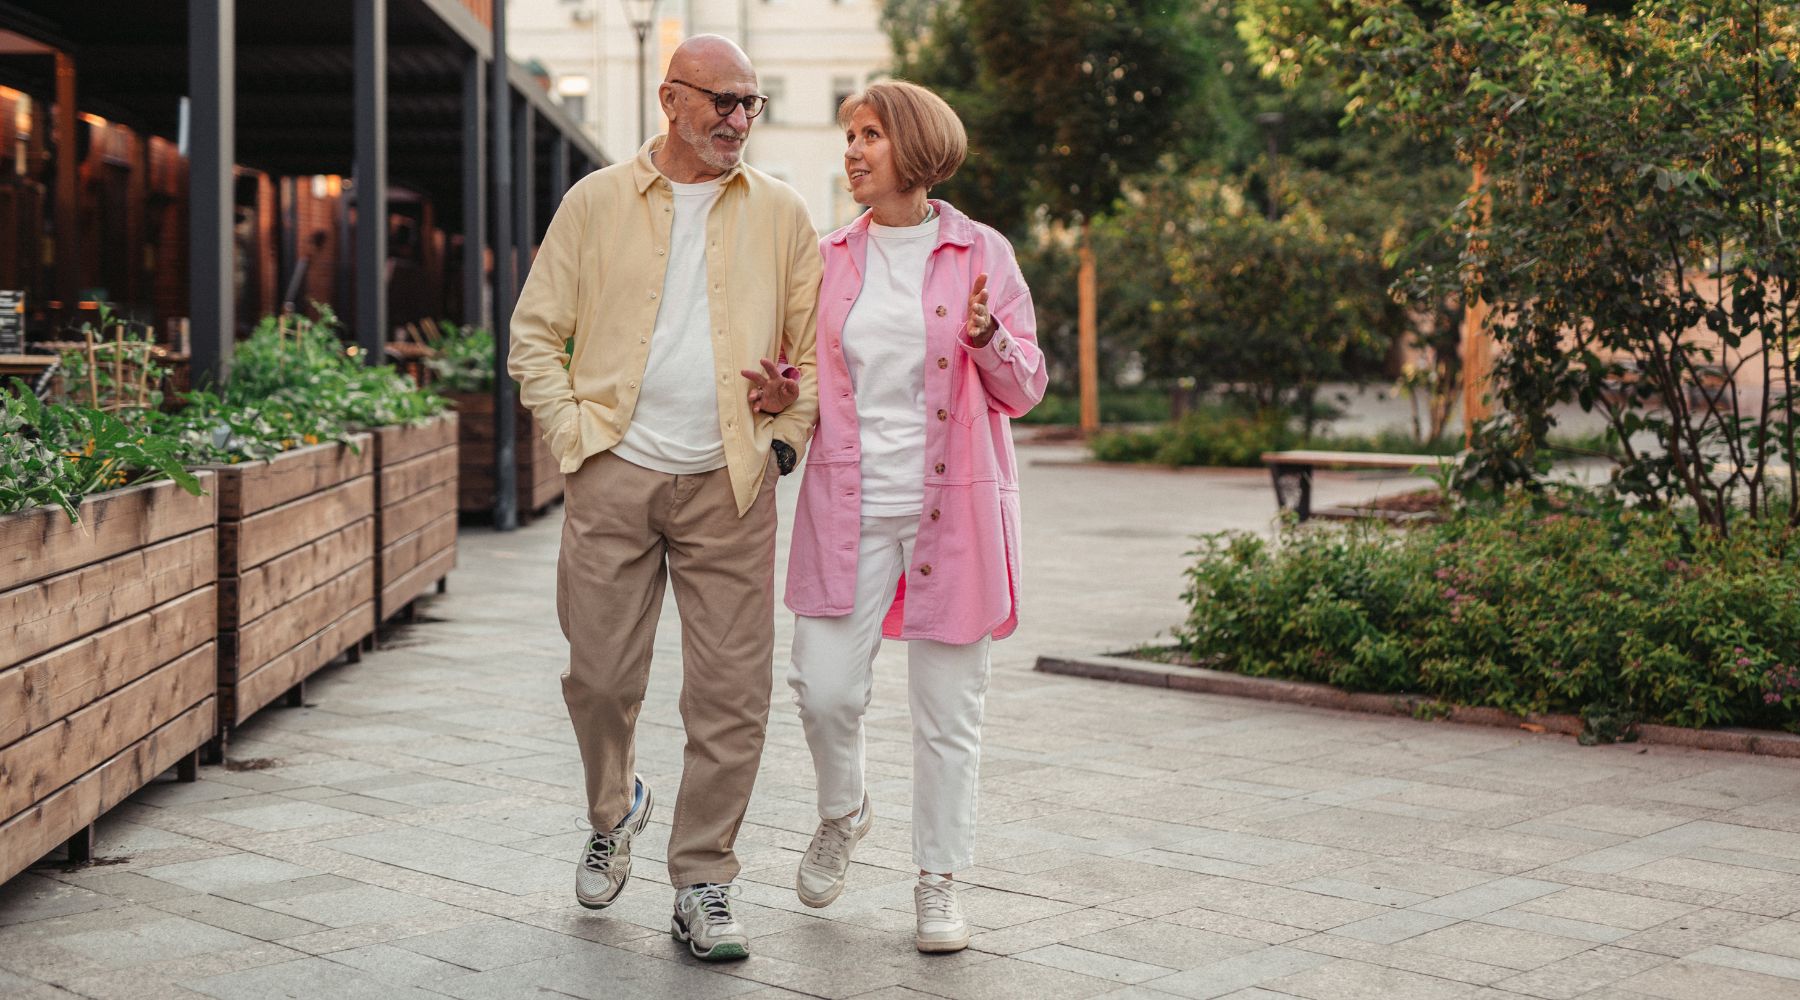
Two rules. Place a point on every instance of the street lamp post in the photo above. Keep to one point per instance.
(640, 13)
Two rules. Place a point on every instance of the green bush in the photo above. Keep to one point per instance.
(1117, 406)
(464, 361)
(1579, 606)
(56, 455)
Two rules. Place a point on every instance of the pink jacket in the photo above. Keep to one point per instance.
(963, 581)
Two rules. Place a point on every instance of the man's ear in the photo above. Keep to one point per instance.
(665, 98)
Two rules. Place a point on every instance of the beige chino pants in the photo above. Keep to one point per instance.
(628, 531)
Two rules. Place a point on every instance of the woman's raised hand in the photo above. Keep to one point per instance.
(980, 324)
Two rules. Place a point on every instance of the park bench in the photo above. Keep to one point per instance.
(1295, 470)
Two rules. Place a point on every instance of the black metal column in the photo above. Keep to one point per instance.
(525, 184)
(474, 190)
(371, 179)
(559, 170)
(212, 146)
(506, 470)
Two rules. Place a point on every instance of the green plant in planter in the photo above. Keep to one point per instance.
(291, 364)
(465, 359)
(54, 455)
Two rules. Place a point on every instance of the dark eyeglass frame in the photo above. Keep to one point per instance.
(752, 104)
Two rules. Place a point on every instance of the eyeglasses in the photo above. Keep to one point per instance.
(724, 103)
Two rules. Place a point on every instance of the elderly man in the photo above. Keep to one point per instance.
(678, 275)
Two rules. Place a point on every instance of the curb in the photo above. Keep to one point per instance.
(1219, 682)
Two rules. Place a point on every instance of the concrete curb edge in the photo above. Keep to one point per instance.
(1219, 682)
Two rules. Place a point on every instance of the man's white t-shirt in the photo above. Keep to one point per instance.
(884, 347)
(675, 427)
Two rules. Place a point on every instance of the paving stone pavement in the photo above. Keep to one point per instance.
(410, 833)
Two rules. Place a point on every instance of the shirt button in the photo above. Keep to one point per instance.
(942, 414)
(632, 385)
(938, 468)
(941, 311)
(653, 295)
(925, 570)
(659, 251)
(643, 340)
(943, 362)
(934, 515)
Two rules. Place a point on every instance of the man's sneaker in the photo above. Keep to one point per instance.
(941, 923)
(821, 877)
(606, 860)
(704, 923)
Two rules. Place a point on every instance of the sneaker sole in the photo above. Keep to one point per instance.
(940, 947)
(722, 952)
(820, 902)
(636, 828)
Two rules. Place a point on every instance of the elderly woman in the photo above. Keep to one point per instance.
(908, 520)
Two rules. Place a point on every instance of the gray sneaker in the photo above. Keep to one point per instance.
(606, 860)
(821, 877)
(703, 921)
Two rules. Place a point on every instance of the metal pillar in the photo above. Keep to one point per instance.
(559, 169)
(525, 185)
(212, 146)
(68, 242)
(371, 179)
(506, 471)
(474, 190)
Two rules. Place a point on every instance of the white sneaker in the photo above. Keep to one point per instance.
(821, 877)
(606, 860)
(941, 924)
(703, 921)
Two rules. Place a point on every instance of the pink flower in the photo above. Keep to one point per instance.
(1770, 698)
(1743, 661)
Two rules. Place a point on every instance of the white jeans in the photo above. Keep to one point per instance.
(833, 677)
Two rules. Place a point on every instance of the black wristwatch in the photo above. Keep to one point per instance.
(785, 457)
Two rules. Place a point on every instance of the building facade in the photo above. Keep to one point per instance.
(809, 54)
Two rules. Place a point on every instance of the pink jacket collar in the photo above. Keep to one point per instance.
(954, 228)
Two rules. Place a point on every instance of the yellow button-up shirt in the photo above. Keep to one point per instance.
(598, 278)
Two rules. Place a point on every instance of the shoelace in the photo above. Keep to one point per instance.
(937, 900)
(829, 842)
(600, 849)
(714, 901)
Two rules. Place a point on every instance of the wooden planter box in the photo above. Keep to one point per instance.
(296, 571)
(540, 479)
(415, 511)
(106, 659)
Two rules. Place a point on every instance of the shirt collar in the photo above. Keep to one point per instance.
(644, 172)
(953, 227)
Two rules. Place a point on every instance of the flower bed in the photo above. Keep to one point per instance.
(106, 658)
(415, 510)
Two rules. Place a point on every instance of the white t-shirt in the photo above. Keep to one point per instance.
(884, 347)
(675, 427)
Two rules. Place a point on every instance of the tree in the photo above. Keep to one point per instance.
(1633, 240)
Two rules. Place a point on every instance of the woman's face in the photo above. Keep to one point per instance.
(869, 159)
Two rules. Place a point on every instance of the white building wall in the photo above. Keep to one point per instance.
(802, 50)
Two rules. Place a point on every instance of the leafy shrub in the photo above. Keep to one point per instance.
(294, 364)
(1117, 406)
(56, 455)
(1578, 605)
(464, 361)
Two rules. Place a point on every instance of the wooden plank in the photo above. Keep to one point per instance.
(41, 542)
(261, 537)
(403, 479)
(261, 589)
(253, 487)
(259, 689)
(1355, 460)
(398, 442)
(397, 593)
(39, 692)
(415, 548)
(34, 767)
(418, 510)
(247, 650)
(58, 610)
(38, 830)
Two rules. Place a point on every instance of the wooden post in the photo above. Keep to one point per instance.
(1088, 347)
(68, 252)
(1477, 345)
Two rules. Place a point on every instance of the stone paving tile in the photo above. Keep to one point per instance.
(416, 828)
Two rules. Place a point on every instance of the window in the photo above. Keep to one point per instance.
(775, 89)
(574, 93)
(841, 88)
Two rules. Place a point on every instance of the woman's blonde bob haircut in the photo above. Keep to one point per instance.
(928, 139)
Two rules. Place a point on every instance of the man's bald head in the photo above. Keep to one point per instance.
(702, 54)
(703, 143)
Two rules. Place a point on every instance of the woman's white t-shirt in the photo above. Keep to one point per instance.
(884, 347)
